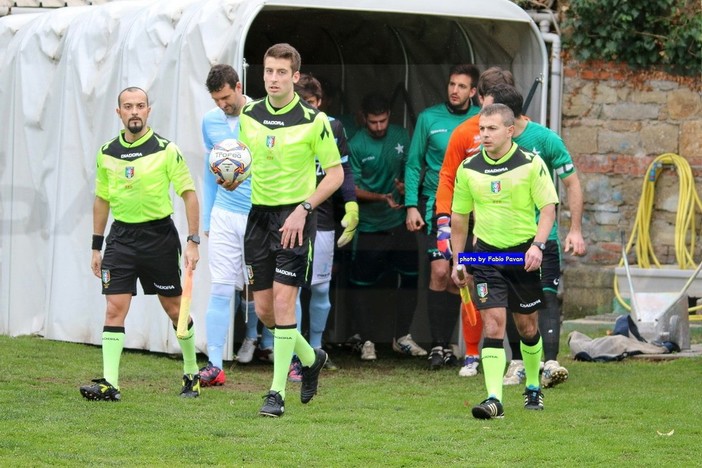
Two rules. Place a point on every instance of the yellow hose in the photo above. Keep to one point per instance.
(685, 230)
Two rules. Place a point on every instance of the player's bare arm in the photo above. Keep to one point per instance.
(366, 196)
(574, 241)
(192, 214)
(101, 210)
(295, 222)
(534, 255)
(414, 219)
(229, 185)
(459, 234)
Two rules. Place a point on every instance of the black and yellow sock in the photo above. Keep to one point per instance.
(187, 346)
(493, 360)
(284, 340)
(532, 349)
(112, 345)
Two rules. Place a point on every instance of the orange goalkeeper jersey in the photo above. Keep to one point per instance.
(463, 144)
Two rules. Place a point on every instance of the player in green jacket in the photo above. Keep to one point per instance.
(431, 136)
(383, 244)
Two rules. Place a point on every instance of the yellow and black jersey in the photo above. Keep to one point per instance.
(135, 177)
(503, 194)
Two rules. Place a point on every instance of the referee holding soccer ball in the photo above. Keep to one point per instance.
(134, 173)
(284, 135)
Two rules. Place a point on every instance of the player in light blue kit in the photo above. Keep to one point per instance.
(224, 215)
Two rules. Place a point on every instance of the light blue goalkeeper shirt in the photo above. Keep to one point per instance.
(216, 127)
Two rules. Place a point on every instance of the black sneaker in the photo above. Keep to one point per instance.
(273, 406)
(489, 409)
(436, 358)
(450, 359)
(191, 386)
(533, 399)
(310, 376)
(354, 343)
(100, 390)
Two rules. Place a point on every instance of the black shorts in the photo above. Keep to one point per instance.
(266, 259)
(149, 251)
(377, 253)
(551, 267)
(509, 286)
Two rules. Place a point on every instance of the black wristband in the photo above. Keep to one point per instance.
(97, 242)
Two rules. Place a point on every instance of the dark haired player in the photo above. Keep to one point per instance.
(285, 135)
(431, 136)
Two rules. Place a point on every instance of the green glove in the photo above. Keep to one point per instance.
(349, 222)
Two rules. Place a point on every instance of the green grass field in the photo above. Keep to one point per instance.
(392, 412)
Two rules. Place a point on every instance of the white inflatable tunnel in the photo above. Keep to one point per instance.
(61, 71)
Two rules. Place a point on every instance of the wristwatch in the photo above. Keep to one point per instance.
(540, 245)
(307, 206)
(195, 238)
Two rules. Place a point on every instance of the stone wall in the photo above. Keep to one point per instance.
(615, 123)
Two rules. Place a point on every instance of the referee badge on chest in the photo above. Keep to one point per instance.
(496, 186)
(270, 141)
(129, 172)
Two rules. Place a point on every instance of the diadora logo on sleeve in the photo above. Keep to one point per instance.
(285, 273)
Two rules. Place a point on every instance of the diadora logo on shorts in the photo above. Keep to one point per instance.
(530, 304)
(285, 273)
(164, 286)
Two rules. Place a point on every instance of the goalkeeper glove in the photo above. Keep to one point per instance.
(349, 222)
(443, 236)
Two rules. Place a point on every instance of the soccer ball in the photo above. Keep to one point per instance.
(230, 160)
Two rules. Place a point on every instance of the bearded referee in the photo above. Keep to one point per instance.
(285, 134)
(135, 171)
(503, 184)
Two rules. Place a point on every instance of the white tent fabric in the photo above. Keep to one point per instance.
(60, 73)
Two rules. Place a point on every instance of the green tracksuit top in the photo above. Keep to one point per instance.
(375, 164)
(429, 141)
(549, 146)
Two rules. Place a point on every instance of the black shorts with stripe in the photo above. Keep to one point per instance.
(149, 251)
(508, 286)
(266, 259)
